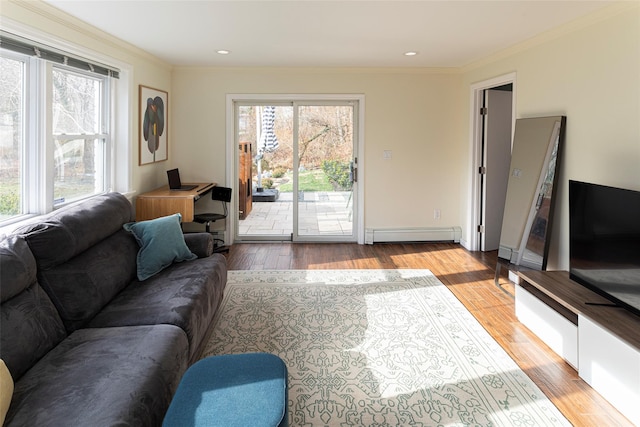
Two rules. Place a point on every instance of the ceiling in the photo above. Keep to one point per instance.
(325, 33)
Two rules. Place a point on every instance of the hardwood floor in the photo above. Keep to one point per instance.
(470, 276)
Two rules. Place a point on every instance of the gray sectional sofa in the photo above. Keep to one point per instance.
(85, 341)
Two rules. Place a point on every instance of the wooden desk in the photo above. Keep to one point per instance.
(163, 202)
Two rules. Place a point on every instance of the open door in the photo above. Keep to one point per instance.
(497, 125)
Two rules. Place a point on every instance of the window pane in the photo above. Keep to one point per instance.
(79, 152)
(11, 136)
(79, 169)
(76, 103)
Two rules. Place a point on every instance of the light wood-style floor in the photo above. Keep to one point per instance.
(470, 276)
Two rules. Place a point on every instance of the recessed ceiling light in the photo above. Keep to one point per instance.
(410, 53)
(223, 52)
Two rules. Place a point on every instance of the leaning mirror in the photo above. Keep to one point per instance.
(528, 211)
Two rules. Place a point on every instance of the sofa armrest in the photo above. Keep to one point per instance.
(200, 244)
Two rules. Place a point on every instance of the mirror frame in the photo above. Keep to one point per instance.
(528, 214)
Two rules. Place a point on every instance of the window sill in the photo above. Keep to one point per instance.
(8, 229)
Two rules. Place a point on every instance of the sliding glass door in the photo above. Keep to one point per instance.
(296, 170)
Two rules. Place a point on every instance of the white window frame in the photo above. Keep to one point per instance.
(103, 132)
(38, 157)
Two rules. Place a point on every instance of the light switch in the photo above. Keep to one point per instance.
(386, 154)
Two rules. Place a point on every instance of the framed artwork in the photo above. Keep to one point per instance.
(154, 115)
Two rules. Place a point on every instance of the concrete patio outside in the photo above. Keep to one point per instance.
(321, 213)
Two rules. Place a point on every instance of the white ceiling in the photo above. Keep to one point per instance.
(325, 33)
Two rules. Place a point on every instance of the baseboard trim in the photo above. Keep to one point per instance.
(428, 234)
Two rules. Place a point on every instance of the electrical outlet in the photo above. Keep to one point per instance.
(436, 214)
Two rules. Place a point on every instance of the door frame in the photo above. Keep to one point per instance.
(498, 138)
(232, 152)
(477, 135)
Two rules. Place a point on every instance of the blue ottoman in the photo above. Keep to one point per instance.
(231, 390)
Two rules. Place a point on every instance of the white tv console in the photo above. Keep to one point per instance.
(600, 341)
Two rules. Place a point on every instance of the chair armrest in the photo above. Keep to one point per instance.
(200, 244)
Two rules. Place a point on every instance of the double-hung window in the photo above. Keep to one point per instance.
(14, 70)
(55, 130)
(80, 137)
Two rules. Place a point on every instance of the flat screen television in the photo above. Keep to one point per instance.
(604, 242)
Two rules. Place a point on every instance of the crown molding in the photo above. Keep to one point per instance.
(608, 12)
(81, 29)
(84, 30)
(326, 70)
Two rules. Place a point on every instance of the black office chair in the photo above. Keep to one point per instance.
(223, 195)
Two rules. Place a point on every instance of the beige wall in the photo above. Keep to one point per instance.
(412, 113)
(139, 68)
(591, 74)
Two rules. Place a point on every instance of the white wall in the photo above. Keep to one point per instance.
(413, 113)
(591, 73)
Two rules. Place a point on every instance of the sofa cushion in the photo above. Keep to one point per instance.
(103, 377)
(200, 244)
(185, 295)
(65, 233)
(82, 286)
(18, 267)
(30, 323)
(161, 244)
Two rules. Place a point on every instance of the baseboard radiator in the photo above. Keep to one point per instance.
(428, 234)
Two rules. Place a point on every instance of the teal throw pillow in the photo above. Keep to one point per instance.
(161, 244)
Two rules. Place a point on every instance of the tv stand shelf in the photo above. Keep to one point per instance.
(601, 341)
(580, 300)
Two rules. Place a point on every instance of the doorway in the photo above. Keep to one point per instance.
(297, 169)
(493, 112)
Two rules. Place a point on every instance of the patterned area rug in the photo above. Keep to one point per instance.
(377, 348)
